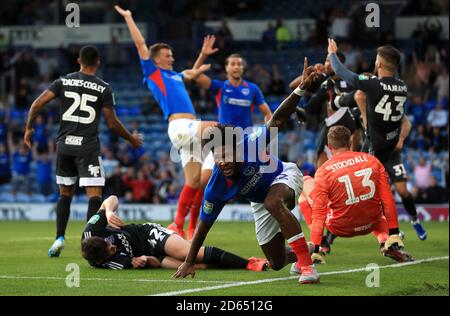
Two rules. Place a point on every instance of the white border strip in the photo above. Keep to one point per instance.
(224, 286)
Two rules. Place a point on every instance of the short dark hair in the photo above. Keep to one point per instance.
(235, 55)
(339, 136)
(94, 250)
(391, 55)
(156, 48)
(89, 56)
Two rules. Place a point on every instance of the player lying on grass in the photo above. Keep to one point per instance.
(351, 196)
(108, 243)
(244, 168)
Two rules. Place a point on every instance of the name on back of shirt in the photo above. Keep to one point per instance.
(83, 83)
(394, 87)
(346, 163)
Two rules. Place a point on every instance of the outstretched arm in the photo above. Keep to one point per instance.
(37, 105)
(340, 70)
(287, 107)
(138, 39)
(208, 49)
(193, 74)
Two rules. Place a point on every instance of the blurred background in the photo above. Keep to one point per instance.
(272, 35)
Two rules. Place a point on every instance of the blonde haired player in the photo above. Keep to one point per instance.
(167, 86)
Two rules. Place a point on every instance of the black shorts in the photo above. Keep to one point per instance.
(341, 117)
(88, 168)
(392, 162)
(157, 238)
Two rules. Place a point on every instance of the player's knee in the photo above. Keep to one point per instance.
(402, 191)
(68, 191)
(194, 181)
(275, 206)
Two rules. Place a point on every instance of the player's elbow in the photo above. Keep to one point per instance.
(111, 123)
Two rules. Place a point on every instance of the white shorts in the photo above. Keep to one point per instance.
(208, 162)
(266, 226)
(184, 135)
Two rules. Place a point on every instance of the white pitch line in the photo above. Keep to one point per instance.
(218, 287)
(114, 280)
(36, 239)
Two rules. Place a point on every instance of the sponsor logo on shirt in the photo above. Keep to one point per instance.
(251, 184)
(238, 102)
(125, 243)
(73, 140)
(392, 135)
(362, 228)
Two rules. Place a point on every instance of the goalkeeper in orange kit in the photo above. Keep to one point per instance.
(350, 196)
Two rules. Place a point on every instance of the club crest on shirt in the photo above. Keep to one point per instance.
(208, 207)
(249, 171)
(245, 91)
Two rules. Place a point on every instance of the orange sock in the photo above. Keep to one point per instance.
(195, 209)
(184, 204)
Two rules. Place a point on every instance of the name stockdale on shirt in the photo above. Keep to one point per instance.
(347, 163)
(83, 83)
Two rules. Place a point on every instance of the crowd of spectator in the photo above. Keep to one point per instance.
(148, 177)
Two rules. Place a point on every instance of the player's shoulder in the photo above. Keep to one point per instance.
(367, 77)
(250, 85)
(100, 81)
(70, 75)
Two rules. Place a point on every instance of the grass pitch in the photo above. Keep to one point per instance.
(25, 268)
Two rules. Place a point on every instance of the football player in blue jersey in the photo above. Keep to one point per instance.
(244, 168)
(167, 86)
(236, 99)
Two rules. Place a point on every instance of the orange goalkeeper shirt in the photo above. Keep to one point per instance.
(356, 188)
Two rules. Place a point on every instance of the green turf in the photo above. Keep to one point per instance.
(25, 268)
